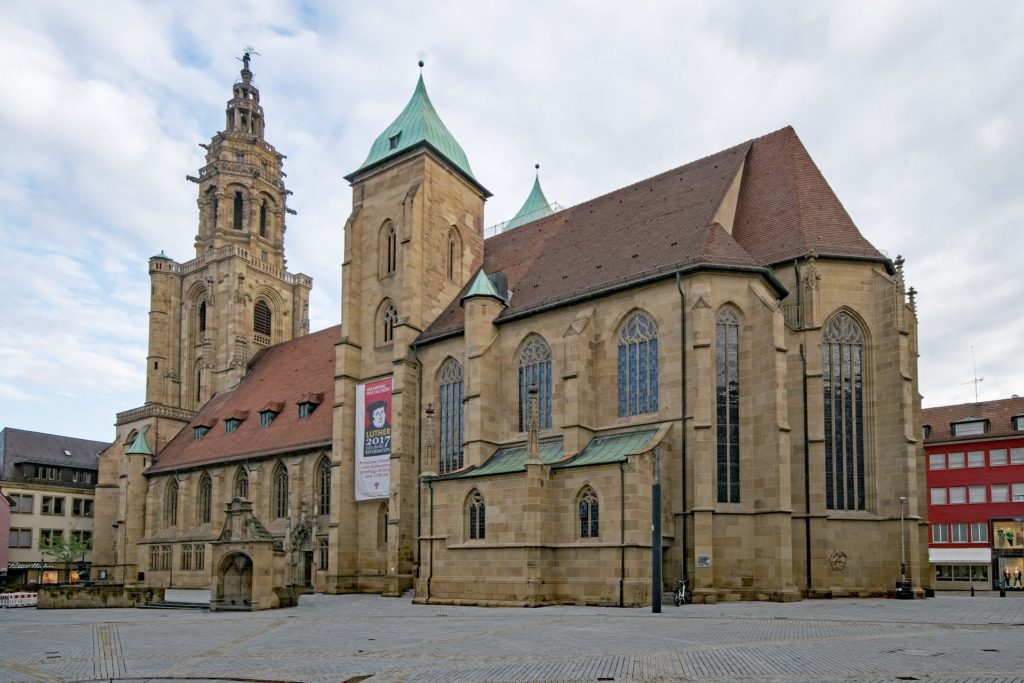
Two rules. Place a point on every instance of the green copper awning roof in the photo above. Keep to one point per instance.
(417, 124)
(536, 206)
(513, 459)
(601, 450)
(482, 286)
(615, 448)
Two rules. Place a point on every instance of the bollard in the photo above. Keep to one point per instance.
(972, 590)
(1002, 589)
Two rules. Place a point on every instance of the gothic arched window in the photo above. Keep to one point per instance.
(382, 525)
(202, 316)
(535, 369)
(388, 249)
(449, 402)
(588, 513)
(638, 366)
(280, 497)
(388, 320)
(237, 221)
(263, 218)
(477, 516)
(843, 381)
(323, 480)
(205, 498)
(242, 483)
(261, 318)
(171, 503)
(454, 254)
(727, 405)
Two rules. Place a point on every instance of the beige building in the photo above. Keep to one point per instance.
(50, 481)
(488, 421)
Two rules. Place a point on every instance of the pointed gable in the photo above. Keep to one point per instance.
(786, 207)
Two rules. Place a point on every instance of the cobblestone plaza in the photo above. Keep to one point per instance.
(364, 637)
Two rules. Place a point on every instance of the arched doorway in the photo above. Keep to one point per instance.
(235, 585)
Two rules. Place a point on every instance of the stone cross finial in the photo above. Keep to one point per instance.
(899, 268)
(912, 293)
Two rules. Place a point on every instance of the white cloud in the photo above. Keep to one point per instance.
(911, 109)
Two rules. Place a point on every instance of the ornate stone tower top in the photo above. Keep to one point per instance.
(241, 188)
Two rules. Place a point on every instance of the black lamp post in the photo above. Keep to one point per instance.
(903, 591)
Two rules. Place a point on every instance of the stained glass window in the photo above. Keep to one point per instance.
(727, 405)
(535, 369)
(324, 487)
(588, 513)
(242, 483)
(171, 503)
(842, 371)
(205, 496)
(388, 320)
(638, 366)
(449, 401)
(477, 516)
(280, 491)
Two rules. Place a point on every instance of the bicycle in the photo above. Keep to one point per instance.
(683, 594)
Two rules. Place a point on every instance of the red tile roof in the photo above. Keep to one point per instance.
(664, 224)
(287, 373)
(998, 413)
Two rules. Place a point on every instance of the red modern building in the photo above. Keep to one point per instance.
(975, 465)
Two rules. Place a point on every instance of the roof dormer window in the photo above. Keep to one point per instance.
(231, 424)
(308, 403)
(969, 427)
(266, 417)
(1018, 423)
(393, 140)
(199, 432)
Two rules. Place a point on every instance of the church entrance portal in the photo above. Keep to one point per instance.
(236, 582)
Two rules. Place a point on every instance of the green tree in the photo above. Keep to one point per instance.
(67, 550)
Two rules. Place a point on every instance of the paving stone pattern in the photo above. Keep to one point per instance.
(385, 640)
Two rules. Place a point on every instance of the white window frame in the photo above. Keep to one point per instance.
(1000, 493)
(1017, 492)
(940, 533)
(956, 461)
(958, 532)
(977, 527)
(997, 457)
(1017, 456)
(939, 496)
(972, 428)
(977, 493)
(937, 461)
(976, 458)
(957, 495)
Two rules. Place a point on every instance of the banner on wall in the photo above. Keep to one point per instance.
(373, 439)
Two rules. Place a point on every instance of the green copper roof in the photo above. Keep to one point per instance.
(139, 446)
(536, 206)
(162, 256)
(606, 449)
(417, 124)
(482, 286)
(513, 458)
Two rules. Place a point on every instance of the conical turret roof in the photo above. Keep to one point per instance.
(536, 206)
(418, 124)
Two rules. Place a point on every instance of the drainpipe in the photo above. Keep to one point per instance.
(807, 471)
(419, 450)
(622, 533)
(430, 565)
(682, 421)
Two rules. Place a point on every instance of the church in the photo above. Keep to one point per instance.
(488, 423)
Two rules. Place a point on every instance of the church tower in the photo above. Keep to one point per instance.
(412, 241)
(210, 315)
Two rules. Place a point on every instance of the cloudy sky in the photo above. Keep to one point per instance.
(913, 111)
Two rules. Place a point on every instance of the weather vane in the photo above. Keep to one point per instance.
(249, 51)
